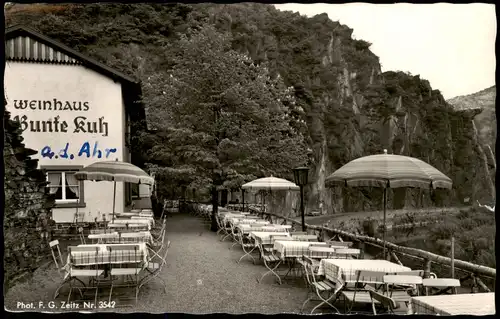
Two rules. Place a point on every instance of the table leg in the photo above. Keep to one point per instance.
(291, 262)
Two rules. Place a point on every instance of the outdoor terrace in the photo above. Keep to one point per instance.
(202, 276)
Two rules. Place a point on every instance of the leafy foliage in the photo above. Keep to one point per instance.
(219, 118)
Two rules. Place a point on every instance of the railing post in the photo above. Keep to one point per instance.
(452, 257)
(362, 250)
(427, 268)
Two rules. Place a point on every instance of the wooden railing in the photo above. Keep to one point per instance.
(471, 270)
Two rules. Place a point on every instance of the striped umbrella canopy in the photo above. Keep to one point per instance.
(270, 183)
(388, 171)
(114, 171)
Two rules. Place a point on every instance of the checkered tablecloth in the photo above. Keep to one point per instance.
(480, 304)
(345, 269)
(104, 256)
(264, 237)
(286, 249)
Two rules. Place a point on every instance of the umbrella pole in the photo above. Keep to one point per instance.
(243, 199)
(385, 205)
(114, 199)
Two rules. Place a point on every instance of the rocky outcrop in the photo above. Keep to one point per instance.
(482, 105)
(27, 206)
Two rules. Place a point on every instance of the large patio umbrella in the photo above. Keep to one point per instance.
(269, 184)
(114, 171)
(388, 171)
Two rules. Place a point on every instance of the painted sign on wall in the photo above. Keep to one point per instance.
(80, 124)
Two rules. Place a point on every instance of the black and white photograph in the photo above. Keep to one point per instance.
(250, 158)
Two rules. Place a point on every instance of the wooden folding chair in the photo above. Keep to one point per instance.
(56, 254)
(125, 254)
(365, 281)
(270, 260)
(320, 287)
(398, 287)
(248, 245)
(87, 256)
(153, 268)
(440, 286)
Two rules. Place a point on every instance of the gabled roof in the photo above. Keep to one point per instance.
(57, 47)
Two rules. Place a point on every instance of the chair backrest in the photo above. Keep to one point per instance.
(56, 254)
(368, 276)
(402, 280)
(308, 269)
(440, 282)
(347, 244)
(164, 257)
(409, 273)
(347, 252)
(385, 301)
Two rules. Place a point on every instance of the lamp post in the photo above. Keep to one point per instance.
(300, 175)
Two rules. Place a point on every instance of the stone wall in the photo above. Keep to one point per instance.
(27, 207)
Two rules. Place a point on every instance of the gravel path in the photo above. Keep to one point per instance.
(203, 277)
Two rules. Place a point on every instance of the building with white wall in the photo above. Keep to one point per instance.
(73, 111)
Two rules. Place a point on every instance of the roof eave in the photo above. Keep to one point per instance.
(86, 61)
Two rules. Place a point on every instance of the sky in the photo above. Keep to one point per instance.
(450, 45)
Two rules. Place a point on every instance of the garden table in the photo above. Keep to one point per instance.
(104, 255)
(479, 304)
(289, 251)
(345, 269)
(264, 237)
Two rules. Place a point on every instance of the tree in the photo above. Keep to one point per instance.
(221, 120)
